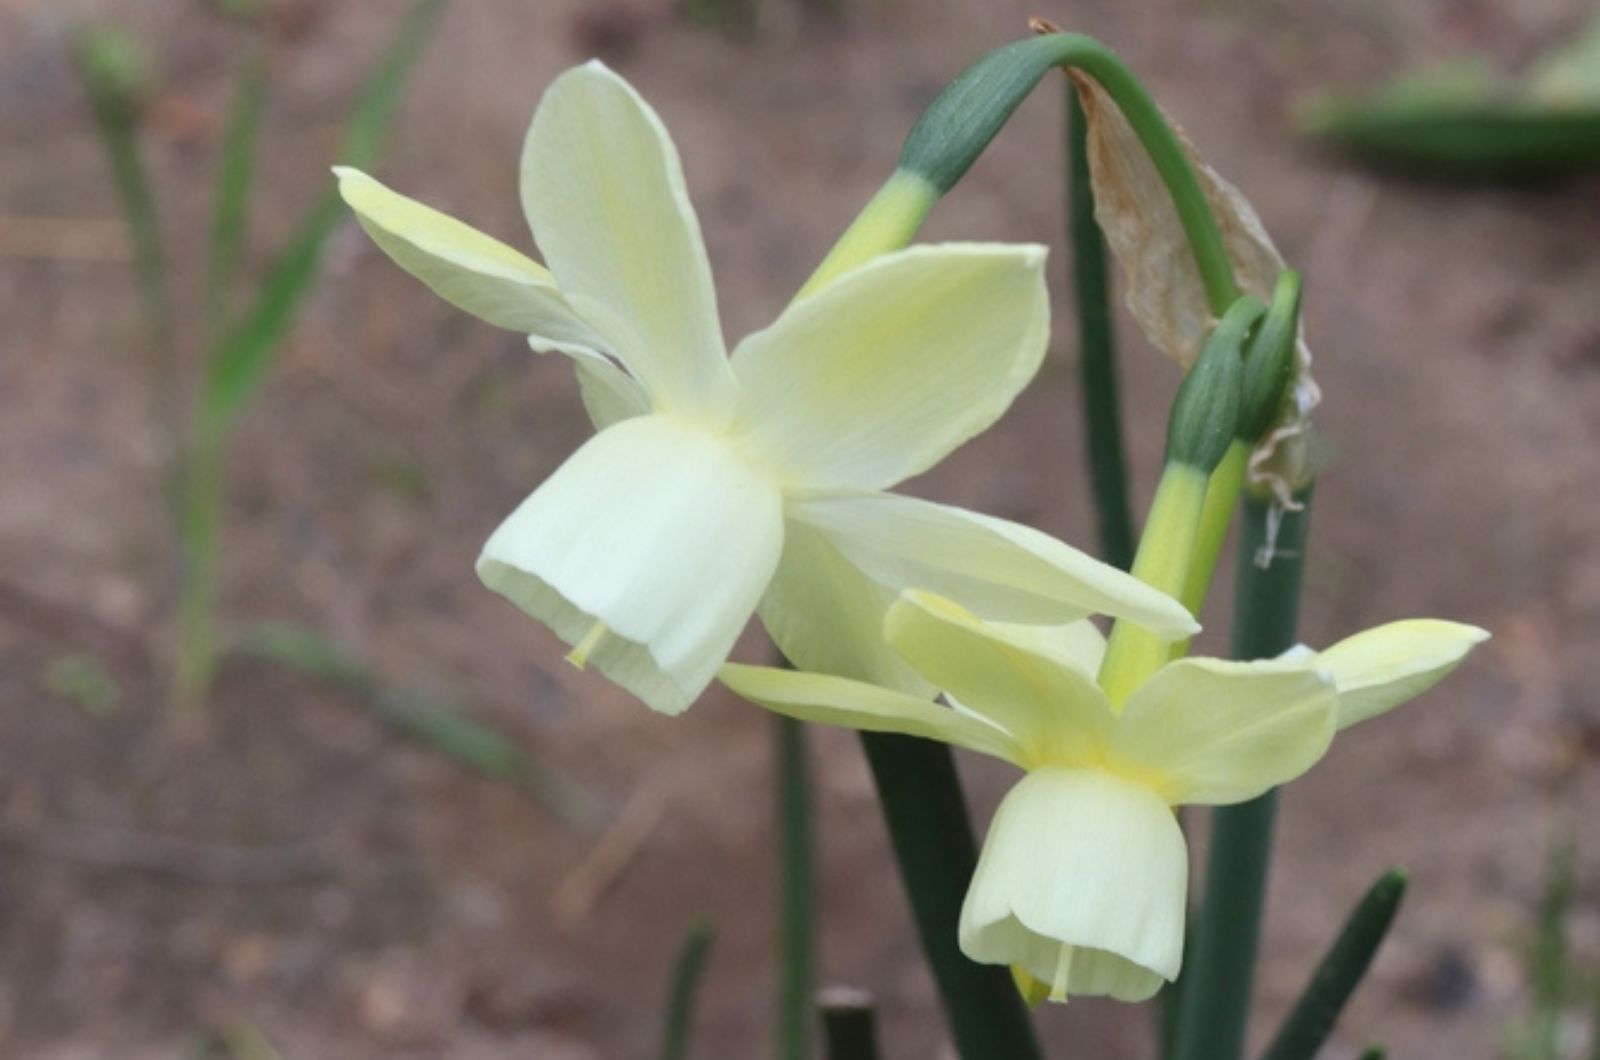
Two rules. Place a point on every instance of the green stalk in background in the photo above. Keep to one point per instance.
(236, 169)
(849, 1030)
(243, 354)
(1102, 411)
(1311, 1020)
(115, 74)
(1220, 972)
(686, 975)
(797, 893)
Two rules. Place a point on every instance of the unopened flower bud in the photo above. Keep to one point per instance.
(1205, 413)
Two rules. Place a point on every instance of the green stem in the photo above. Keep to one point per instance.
(959, 124)
(236, 167)
(1311, 1020)
(849, 1029)
(934, 844)
(796, 899)
(1220, 973)
(1102, 413)
(686, 975)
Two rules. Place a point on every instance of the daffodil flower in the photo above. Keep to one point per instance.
(721, 486)
(1083, 875)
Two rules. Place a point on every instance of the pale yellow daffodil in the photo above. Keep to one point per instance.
(1083, 876)
(718, 486)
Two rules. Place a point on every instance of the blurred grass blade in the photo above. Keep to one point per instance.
(473, 744)
(116, 76)
(230, 218)
(797, 892)
(1102, 412)
(1550, 972)
(1311, 1020)
(1375, 1052)
(849, 1028)
(686, 975)
(243, 355)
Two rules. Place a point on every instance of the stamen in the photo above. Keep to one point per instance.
(579, 655)
(1058, 986)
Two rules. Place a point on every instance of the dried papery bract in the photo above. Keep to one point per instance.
(1165, 293)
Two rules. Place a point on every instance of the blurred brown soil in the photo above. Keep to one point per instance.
(302, 870)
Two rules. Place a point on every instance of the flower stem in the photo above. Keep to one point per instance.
(1102, 413)
(1221, 970)
(933, 841)
(959, 124)
(1133, 653)
(849, 1028)
(796, 893)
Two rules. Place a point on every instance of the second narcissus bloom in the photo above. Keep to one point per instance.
(1083, 877)
(721, 486)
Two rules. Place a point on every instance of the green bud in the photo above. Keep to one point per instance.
(116, 71)
(1269, 360)
(1206, 411)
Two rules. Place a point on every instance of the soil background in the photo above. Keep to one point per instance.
(303, 872)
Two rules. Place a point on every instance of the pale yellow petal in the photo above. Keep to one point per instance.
(999, 570)
(885, 370)
(604, 192)
(839, 701)
(658, 532)
(1055, 712)
(466, 268)
(1216, 732)
(1381, 668)
(1082, 881)
(826, 615)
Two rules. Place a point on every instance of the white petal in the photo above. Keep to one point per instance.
(467, 268)
(1381, 668)
(889, 367)
(1082, 881)
(604, 192)
(1217, 732)
(1079, 644)
(655, 529)
(826, 615)
(997, 569)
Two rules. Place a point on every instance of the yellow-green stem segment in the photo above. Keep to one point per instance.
(1163, 559)
(1222, 496)
(889, 222)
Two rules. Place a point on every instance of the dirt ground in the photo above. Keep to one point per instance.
(306, 872)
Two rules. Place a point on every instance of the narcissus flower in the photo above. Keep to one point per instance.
(720, 486)
(1083, 875)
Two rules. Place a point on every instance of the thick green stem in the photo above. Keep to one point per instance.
(796, 897)
(849, 1029)
(933, 841)
(959, 124)
(1220, 972)
(1102, 412)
